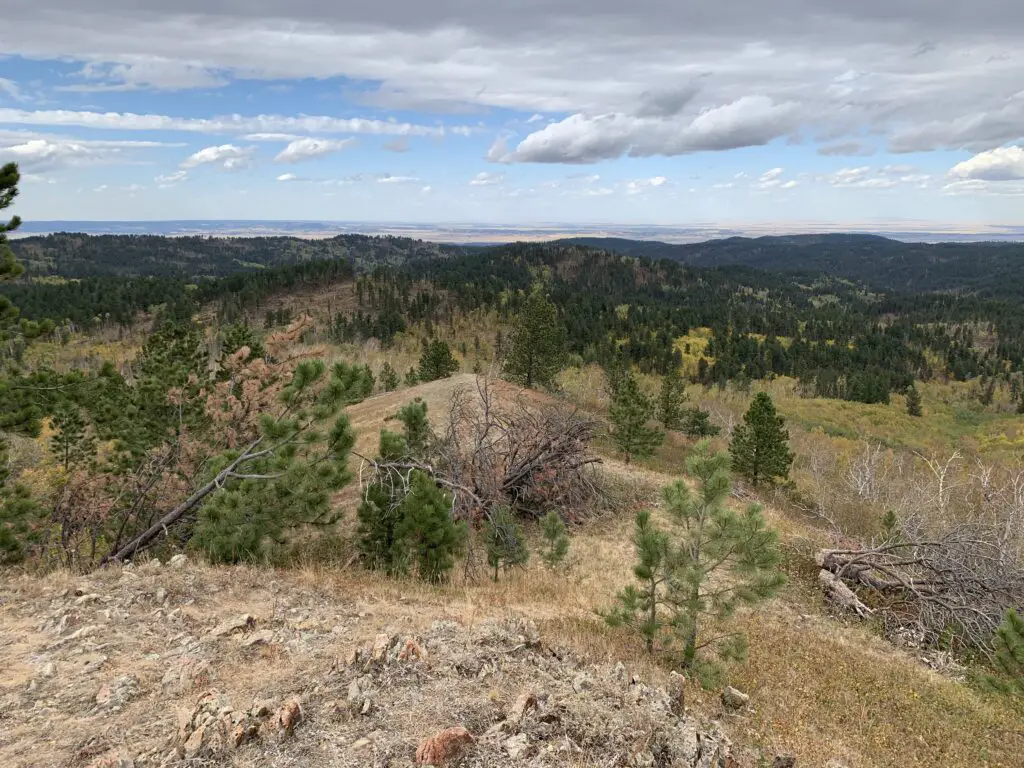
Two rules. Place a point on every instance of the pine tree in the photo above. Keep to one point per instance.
(504, 542)
(630, 412)
(537, 343)
(416, 428)
(71, 443)
(10, 268)
(679, 587)
(437, 361)
(240, 335)
(642, 608)
(914, 402)
(671, 399)
(697, 424)
(760, 445)
(556, 539)
(1008, 655)
(712, 538)
(412, 378)
(298, 463)
(427, 532)
(389, 380)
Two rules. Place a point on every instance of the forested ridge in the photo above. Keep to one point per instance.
(988, 269)
(836, 335)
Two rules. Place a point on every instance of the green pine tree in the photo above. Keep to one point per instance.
(760, 445)
(556, 539)
(914, 402)
(412, 378)
(300, 462)
(239, 335)
(504, 542)
(537, 343)
(388, 378)
(671, 399)
(713, 560)
(437, 362)
(630, 412)
(1008, 655)
(643, 607)
(10, 268)
(72, 443)
(416, 428)
(712, 538)
(697, 423)
(426, 530)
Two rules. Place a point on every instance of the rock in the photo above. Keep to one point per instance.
(379, 651)
(263, 637)
(521, 706)
(517, 745)
(355, 696)
(116, 759)
(784, 761)
(734, 698)
(676, 690)
(245, 621)
(582, 683)
(289, 716)
(84, 599)
(161, 595)
(178, 561)
(113, 696)
(360, 744)
(620, 674)
(444, 747)
(411, 650)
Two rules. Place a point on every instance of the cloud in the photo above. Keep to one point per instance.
(748, 121)
(389, 179)
(845, 148)
(289, 177)
(167, 180)
(771, 179)
(38, 154)
(129, 121)
(10, 89)
(917, 75)
(306, 149)
(401, 144)
(638, 186)
(227, 156)
(484, 179)
(1001, 164)
(983, 188)
(143, 73)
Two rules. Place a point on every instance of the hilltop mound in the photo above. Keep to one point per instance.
(179, 664)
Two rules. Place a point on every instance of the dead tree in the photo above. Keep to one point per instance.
(497, 450)
(952, 589)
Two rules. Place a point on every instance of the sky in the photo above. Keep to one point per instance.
(585, 111)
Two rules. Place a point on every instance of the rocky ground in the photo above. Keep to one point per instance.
(182, 665)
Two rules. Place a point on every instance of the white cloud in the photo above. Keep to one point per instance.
(308, 148)
(10, 89)
(1001, 164)
(637, 186)
(789, 184)
(426, 190)
(748, 121)
(389, 179)
(288, 177)
(484, 179)
(227, 156)
(170, 179)
(129, 121)
(535, 118)
(36, 154)
(984, 188)
(143, 73)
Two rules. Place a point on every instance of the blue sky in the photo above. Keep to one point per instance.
(786, 112)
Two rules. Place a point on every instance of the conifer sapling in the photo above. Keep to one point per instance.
(556, 539)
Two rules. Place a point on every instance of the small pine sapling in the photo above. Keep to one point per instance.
(556, 539)
(504, 542)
